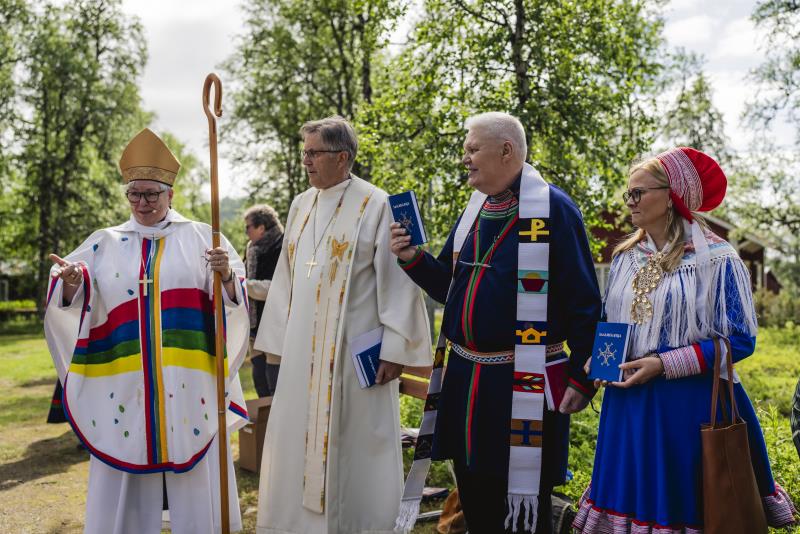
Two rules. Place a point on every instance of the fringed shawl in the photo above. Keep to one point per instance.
(677, 319)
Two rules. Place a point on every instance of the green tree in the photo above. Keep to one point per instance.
(231, 211)
(691, 118)
(79, 89)
(191, 194)
(765, 199)
(190, 198)
(300, 60)
(13, 18)
(580, 75)
(779, 75)
(765, 186)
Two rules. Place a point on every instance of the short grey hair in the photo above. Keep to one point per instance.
(501, 126)
(337, 133)
(161, 186)
(263, 215)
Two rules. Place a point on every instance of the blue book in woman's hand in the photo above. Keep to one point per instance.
(611, 342)
(406, 212)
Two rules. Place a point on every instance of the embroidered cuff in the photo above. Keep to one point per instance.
(580, 388)
(683, 361)
(407, 265)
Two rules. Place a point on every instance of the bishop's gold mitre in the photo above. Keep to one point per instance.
(147, 158)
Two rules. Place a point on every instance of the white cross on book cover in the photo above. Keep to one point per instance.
(611, 344)
(405, 211)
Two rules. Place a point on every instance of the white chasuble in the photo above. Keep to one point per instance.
(135, 353)
(332, 457)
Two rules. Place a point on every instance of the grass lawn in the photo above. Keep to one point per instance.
(43, 475)
(769, 376)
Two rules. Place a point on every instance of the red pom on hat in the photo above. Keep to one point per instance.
(696, 180)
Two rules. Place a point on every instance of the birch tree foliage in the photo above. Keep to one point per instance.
(580, 75)
(300, 60)
(79, 102)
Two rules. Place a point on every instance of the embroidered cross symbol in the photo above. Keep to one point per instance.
(607, 354)
(145, 282)
(536, 230)
(406, 221)
(311, 263)
(522, 433)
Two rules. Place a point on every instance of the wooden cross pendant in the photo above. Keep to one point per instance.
(145, 282)
(311, 263)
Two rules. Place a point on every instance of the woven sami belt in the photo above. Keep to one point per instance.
(504, 356)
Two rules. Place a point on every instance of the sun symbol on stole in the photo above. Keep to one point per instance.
(607, 354)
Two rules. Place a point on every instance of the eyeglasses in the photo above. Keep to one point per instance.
(311, 154)
(636, 193)
(151, 197)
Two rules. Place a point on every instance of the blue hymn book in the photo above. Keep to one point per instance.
(406, 212)
(611, 344)
(366, 352)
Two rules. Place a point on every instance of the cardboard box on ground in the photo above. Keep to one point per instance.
(251, 436)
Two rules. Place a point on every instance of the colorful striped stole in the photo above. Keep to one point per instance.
(527, 405)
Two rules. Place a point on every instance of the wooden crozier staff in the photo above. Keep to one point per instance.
(222, 434)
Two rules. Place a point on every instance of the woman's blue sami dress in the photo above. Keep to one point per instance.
(647, 475)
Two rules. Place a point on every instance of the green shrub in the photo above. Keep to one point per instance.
(411, 417)
(777, 310)
(14, 305)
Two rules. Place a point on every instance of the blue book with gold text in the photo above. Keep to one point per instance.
(405, 211)
(366, 351)
(611, 344)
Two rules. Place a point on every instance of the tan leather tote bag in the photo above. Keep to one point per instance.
(731, 501)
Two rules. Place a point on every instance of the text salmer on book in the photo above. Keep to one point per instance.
(405, 211)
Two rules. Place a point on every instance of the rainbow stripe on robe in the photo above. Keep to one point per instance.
(151, 331)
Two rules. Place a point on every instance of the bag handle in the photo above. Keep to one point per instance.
(715, 392)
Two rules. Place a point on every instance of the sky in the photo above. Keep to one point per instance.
(187, 39)
(722, 32)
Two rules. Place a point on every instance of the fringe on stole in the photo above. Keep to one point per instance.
(407, 515)
(516, 503)
(675, 322)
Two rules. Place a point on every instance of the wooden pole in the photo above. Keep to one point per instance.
(222, 431)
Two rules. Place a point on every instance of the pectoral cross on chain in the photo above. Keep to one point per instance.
(145, 282)
(311, 263)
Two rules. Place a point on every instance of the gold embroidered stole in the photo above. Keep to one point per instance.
(332, 280)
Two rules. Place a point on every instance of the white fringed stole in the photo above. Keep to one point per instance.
(682, 312)
(527, 405)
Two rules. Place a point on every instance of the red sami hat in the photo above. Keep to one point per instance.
(696, 180)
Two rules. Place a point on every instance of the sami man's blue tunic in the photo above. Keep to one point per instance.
(475, 405)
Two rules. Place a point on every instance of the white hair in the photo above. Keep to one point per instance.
(501, 126)
(161, 186)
